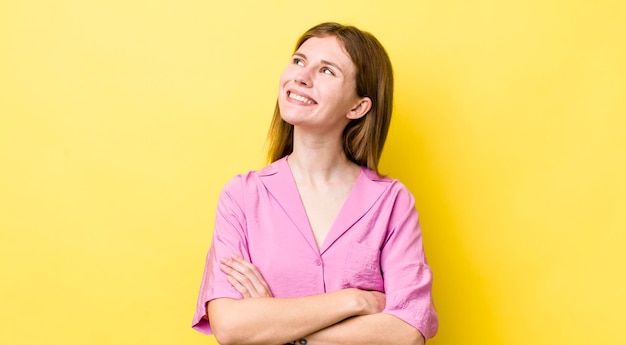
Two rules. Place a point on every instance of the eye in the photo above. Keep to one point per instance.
(297, 61)
(327, 70)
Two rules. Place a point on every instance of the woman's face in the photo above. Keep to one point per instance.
(317, 89)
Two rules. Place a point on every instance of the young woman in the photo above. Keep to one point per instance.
(317, 247)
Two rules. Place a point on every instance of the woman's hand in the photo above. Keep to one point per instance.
(373, 302)
(244, 277)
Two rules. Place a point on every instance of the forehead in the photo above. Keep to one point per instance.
(327, 48)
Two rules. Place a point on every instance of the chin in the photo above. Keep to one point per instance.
(288, 115)
(289, 119)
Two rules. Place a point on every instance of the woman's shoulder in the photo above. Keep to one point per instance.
(394, 189)
(253, 178)
(391, 182)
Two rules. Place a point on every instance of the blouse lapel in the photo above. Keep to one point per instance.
(279, 181)
(367, 189)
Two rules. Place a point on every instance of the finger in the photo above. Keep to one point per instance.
(260, 283)
(248, 265)
(239, 282)
(254, 276)
(242, 290)
(244, 278)
(247, 275)
(381, 299)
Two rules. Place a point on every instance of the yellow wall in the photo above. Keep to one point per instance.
(121, 120)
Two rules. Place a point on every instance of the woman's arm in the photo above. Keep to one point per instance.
(368, 327)
(380, 328)
(267, 320)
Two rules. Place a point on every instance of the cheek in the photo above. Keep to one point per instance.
(281, 80)
(287, 75)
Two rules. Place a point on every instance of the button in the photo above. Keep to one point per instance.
(318, 263)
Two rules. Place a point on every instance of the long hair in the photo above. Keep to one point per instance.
(363, 138)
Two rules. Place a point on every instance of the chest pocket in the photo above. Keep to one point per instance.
(362, 268)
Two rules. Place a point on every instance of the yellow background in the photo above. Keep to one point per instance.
(120, 121)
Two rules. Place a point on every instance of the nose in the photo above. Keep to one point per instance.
(303, 77)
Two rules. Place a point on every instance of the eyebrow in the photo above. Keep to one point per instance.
(325, 62)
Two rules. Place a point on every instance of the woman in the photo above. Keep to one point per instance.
(317, 246)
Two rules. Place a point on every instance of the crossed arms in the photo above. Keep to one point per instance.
(348, 316)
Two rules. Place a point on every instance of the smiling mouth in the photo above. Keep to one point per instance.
(300, 98)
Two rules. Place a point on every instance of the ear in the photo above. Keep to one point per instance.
(361, 108)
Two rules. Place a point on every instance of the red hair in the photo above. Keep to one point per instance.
(363, 138)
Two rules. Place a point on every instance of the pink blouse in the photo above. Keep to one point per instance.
(375, 243)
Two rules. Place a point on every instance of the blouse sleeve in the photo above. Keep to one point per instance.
(407, 276)
(229, 237)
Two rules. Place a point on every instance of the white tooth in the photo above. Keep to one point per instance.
(300, 98)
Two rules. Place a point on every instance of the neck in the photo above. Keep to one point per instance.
(320, 160)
